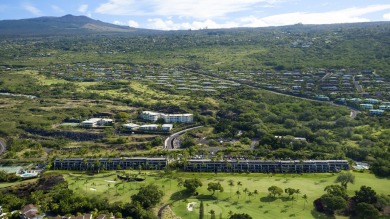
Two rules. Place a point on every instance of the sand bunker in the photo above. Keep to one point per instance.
(190, 206)
(93, 189)
(110, 181)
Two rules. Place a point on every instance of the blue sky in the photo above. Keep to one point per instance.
(197, 14)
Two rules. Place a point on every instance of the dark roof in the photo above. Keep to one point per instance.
(29, 211)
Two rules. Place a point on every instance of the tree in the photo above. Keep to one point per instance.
(148, 196)
(274, 190)
(122, 116)
(382, 201)
(157, 141)
(365, 194)
(192, 184)
(336, 190)
(366, 211)
(345, 178)
(304, 197)
(255, 193)
(212, 214)
(180, 182)
(250, 194)
(245, 191)
(240, 216)
(231, 184)
(290, 192)
(201, 210)
(332, 203)
(238, 193)
(214, 186)
(239, 184)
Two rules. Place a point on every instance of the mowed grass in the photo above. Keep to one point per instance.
(258, 205)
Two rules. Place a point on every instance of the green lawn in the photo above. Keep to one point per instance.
(258, 206)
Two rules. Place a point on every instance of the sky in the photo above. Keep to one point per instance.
(201, 14)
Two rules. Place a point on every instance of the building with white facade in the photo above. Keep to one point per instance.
(131, 126)
(168, 118)
(94, 122)
(151, 127)
(150, 116)
(166, 127)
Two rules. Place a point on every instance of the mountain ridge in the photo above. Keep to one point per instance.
(65, 25)
(79, 24)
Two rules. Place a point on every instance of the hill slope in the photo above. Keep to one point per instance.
(68, 24)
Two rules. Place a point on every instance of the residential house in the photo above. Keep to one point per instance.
(149, 127)
(376, 112)
(371, 101)
(167, 127)
(366, 106)
(30, 212)
(95, 122)
(131, 126)
(384, 107)
(322, 97)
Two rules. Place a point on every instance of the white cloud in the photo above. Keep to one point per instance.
(119, 23)
(200, 9)
(83, 8)
(132, 23)
(348, 15)
(386, 16)
(57, 9)
(160, 24)
(32, 9)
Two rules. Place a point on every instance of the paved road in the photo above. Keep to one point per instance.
(3, 146)
(357, 85)
(172, 142)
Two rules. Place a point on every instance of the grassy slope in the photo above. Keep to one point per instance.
(257, 206)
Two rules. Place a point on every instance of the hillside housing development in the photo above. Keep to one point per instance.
(168, 118)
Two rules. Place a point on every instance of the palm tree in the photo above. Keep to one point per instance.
(231, 184)
(297, 191)
(245, 191)
(238, 193)
(238, 185)
(256, 193)
(305, 200)
(250, 194)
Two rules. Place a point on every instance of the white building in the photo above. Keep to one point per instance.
(168, 118)
(131, 126)
(166, 127)
(150, 116)
(366, 106)
(94, 122)
(178, 118)
(151, 127)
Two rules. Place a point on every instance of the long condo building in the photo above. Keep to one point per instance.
(204, 165)
(168, 118)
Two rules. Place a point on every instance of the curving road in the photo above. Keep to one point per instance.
(3, 146)
(172, 141)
